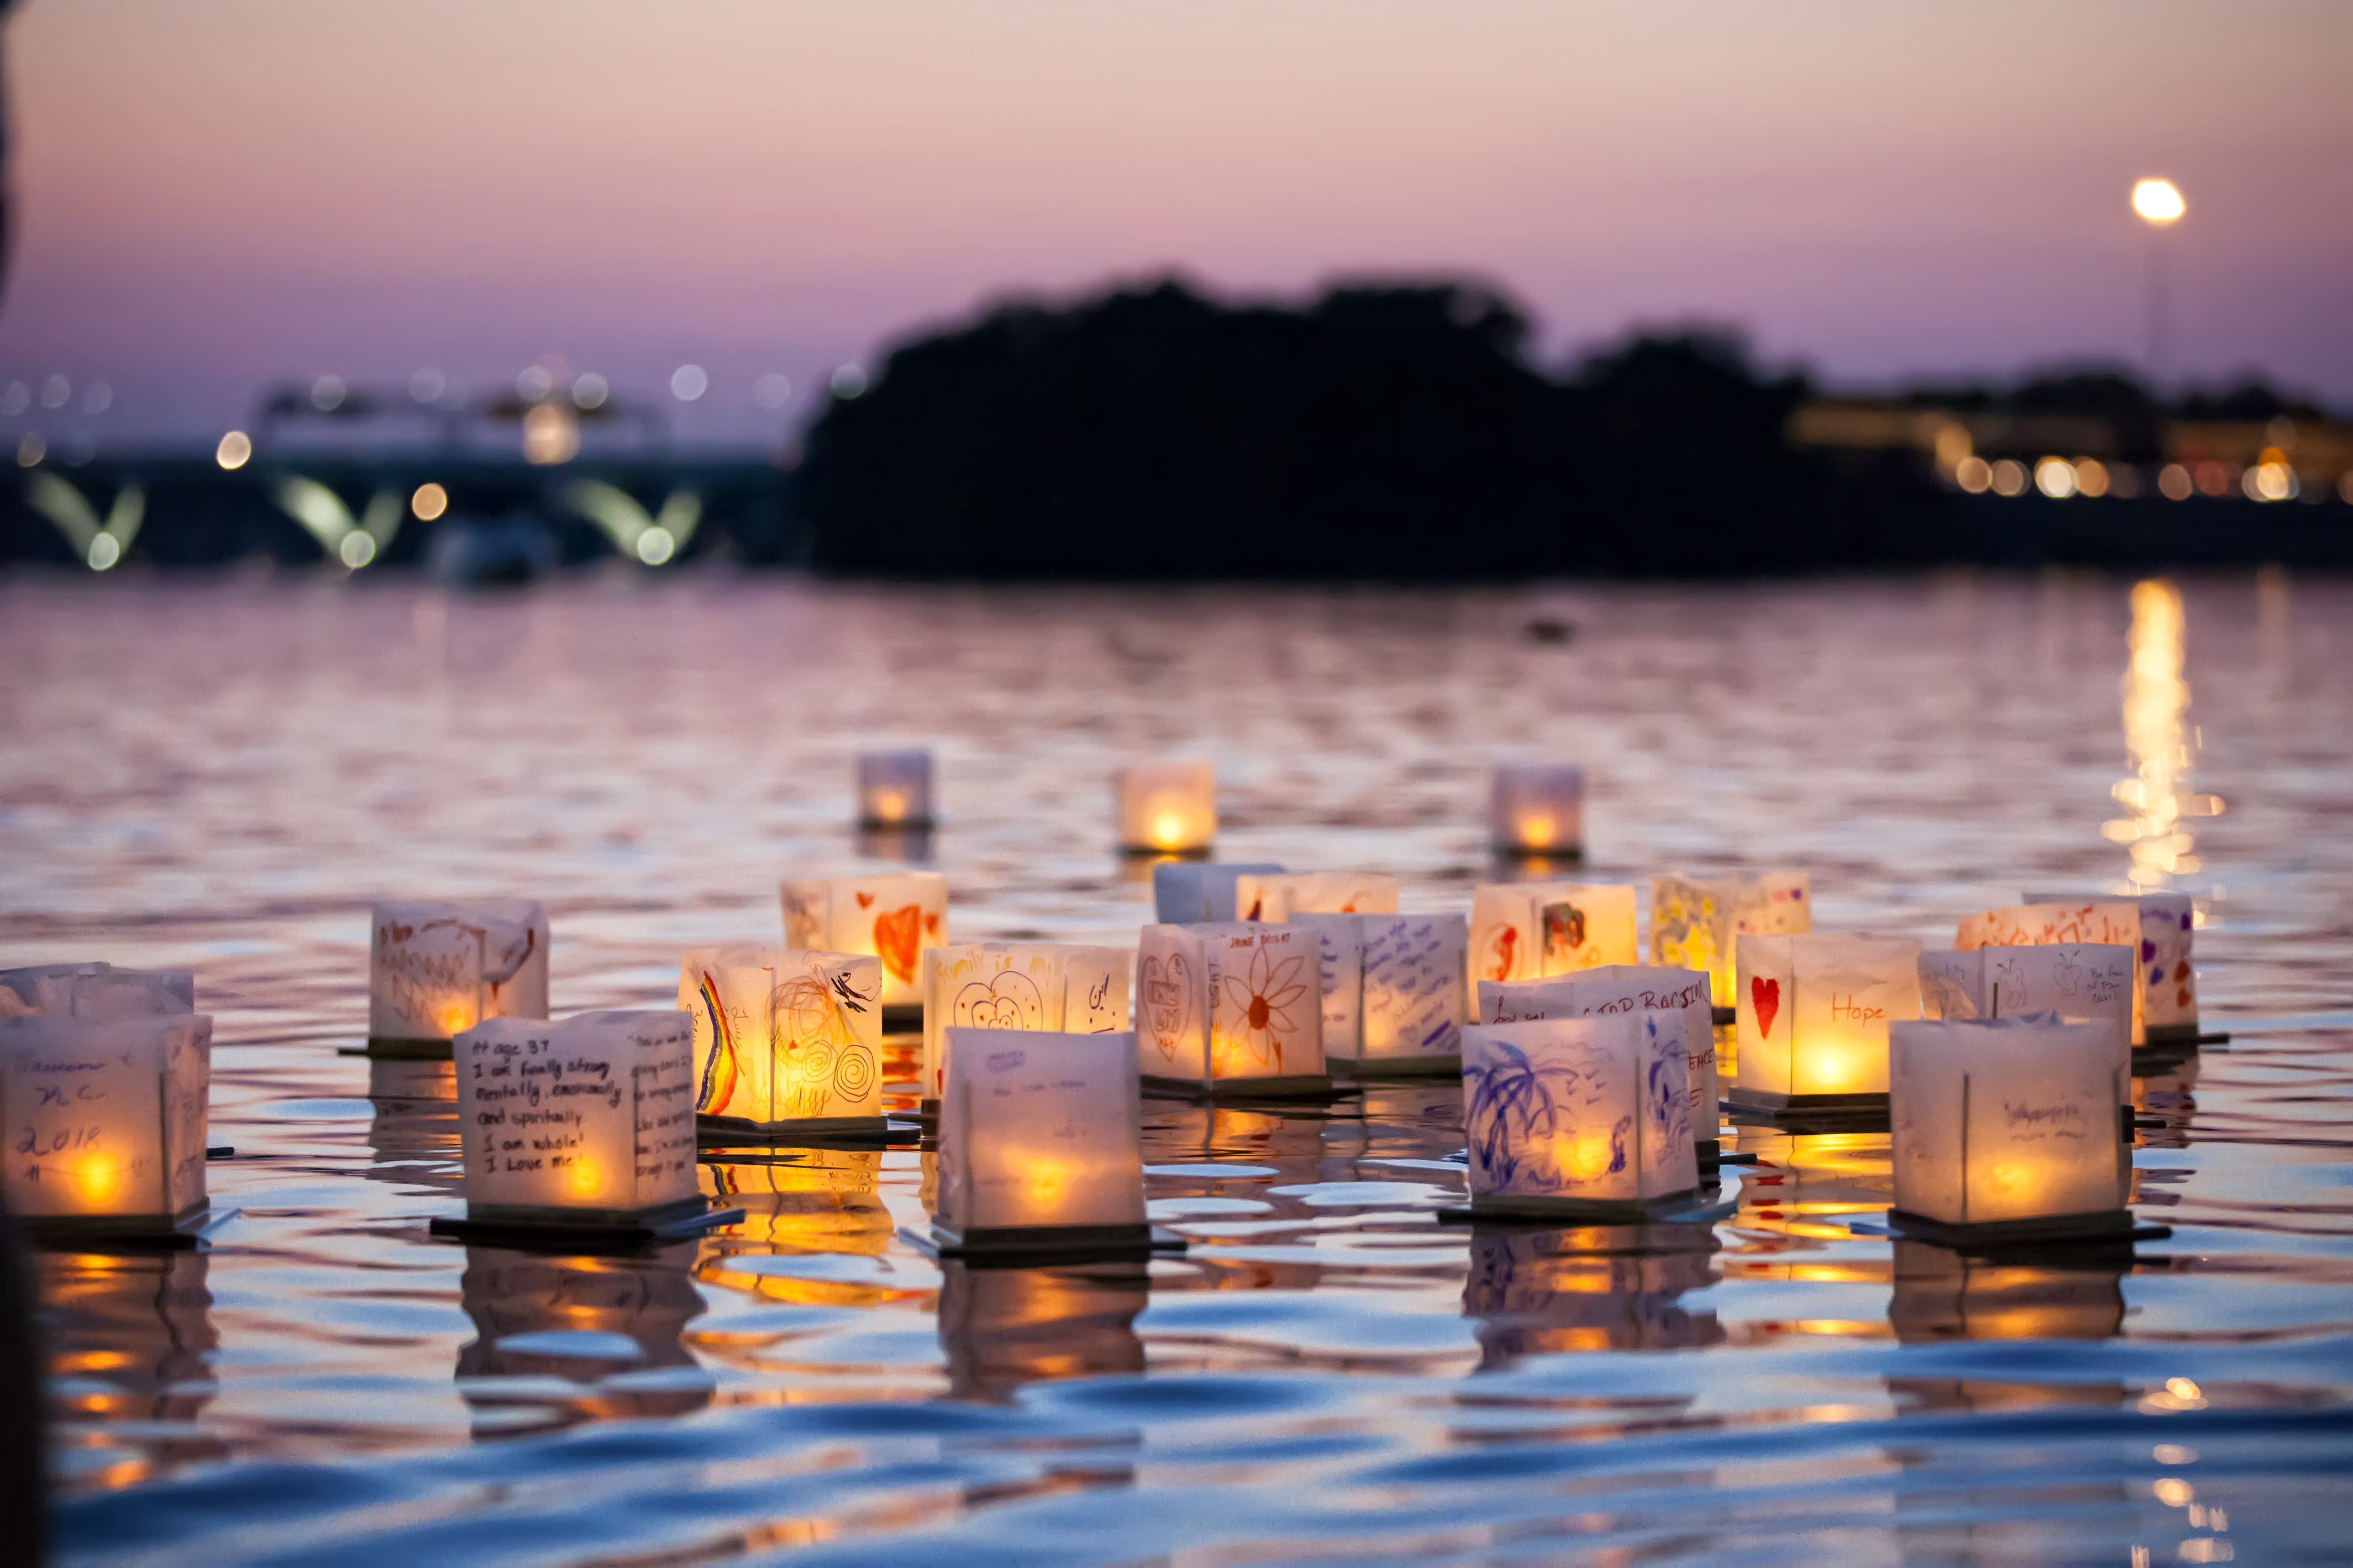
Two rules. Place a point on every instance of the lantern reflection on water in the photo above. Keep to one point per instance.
(894, 789)
(437, 968)
(106, 1120)
(1583, 1118)
(784, 1040)
(1038, 1145)
(561, 1340)
(891, 916)
(1168, 807)
(1593, 1287)
(1394, 998)
(2010, 1127)
(1031, 986)
(1537, 809)
(1231, 1007)
(130, 1343)
(1003, 1328)
(1813, 1016)
(1941, 1294)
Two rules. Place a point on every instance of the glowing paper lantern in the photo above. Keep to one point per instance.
(96, 991)
(1522, 931)
(893, 916)
(1039, 1148)
(105, 1118)
(894, 789)
(2168, 985)
(1393, 991)
(1032, 986)
(41, 988)
(2010, 1126)
(784, 1040)
(1168, 809)
(586, 1125)
(1694, 924)
(1678, 996)
(1537, 809)
(1230, 1008)
(439, 968)
(2109, 923)
(2080, 983)
(1276, 897)
(1813, 1017)
(1579, 1118)
(1187, 892)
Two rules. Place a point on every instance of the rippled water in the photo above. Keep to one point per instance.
(223, 775)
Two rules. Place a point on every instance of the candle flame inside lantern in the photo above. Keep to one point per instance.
(1833, 1069)
(890, 806)
(586, 1177)
(456, 1019)
(1535, 832)
(1585, 1157)
(1048, 1181)
(96, 1177)
(1168, 829)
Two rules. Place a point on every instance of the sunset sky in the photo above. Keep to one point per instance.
(214, 195)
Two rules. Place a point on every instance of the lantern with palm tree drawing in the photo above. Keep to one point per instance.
(1578, 1117)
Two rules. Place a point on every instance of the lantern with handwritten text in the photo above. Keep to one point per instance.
(1522, 930)
(1275, 897)
(1680, 997)
(1537, 809)
(1036, 987)
(586, 1125)
(1040, 1147)
(1230, 1008)
(894, 789)
(1393, 988)
(1814, 1012)
(2168, 984)
(2010, 1126)
(1167, 808)
(891, 916)
(106, 1120)
(437, 968)
(2081, 982)
(1578, 1118)
(784, 1040)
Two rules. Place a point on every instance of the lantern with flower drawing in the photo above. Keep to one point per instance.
(1522, 930)
(1233, 1008)
(894, 789)
(437, 968)
(1187, 892)
(891, 916)
(106, 1115)
(2167, 1009)
(1537, 809)
(2010, 1128)
(785, 1041)
(1039, 1145)
(1679, 996)
(586, 1125)
(1167, 808)
(1394, 998)
(1813, 1017)
(1275, 897)
(1036, 986)
(1578, 1118)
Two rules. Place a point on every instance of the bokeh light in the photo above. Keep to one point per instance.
(2055, 478)
(2159, 202)
(235, 450)
(689, 382)
(430, 502)
(2009, 478)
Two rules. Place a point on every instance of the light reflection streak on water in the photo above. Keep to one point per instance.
(224, 775)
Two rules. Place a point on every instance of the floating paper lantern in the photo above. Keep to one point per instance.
(1537, 809)
(1168, 809)
(784, 1040)
(893, 916)
(439, 968)
(2168, 985)
(1578, 1118)
(1039, 1144)
(1232, 1007)
(2105, 922)
(894, 789)
(1032, 986)
(1522, 931)
(105, 1118)
(2010, 1126)
(1393, 991)
(1188, 892)
(2081, 983)
(1814, 1012)
(1679, 997)
(585, 1125)
(1696, 924)
(1276, 897)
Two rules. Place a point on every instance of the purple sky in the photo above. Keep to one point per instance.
(215, 196)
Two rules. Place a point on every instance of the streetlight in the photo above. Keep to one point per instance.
(2159, 202)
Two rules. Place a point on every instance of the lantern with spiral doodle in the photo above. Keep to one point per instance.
(784, 1040)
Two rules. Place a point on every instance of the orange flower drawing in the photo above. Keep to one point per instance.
(1263, 997)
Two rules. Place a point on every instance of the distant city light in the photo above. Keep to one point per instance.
(105, 550)
(689, 382)
(2173, 483)
(2271, 480)
(534, 383)
(235, 449)
(2009, 478)
(1974, 475)
(773, 390)
(849, 380)
(327, 394)
(430, 502)
(56, 392)
(428, 385)
(2345, 486)
(2212, 477)
(2158, 200)
(589, 389)
(31, 450)
(550, 435)
(2091, 477)
(2055, 478)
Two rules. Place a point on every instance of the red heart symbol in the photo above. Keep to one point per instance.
(897, 937)
(932, 925)
(1766, 995)
(864, 900)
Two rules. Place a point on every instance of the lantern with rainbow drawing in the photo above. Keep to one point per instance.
(785, 1041)
(1813, 1017)
(106, 1115)
(1230, 1009)
(1049, 988)
(2010, 1128)
(437, 968)
(1537, 809)
(894, 789)
(1167, 808)
(1578, 1119)
(891, 916)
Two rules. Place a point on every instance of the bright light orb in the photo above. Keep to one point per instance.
(2055, 478)
(689, 382)
(430, 502)
(105, 550)
(656, 545)
(357, 549)
(235, 450)
(2159, 202)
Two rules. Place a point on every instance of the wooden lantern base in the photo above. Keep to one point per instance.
(1448, 1064)
(2106, 1226)
(1720, 1016)
(1316, 1085)
(2176, 1037)
(543, 1224)
(1015, 1247)
(1567, 853)
(858, 1132)
(1810, 1112)
(1540, 1211)
(391, 1048)
(125, 1232)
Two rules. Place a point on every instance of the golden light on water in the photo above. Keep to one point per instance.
(2159, 202)
(2160, 743)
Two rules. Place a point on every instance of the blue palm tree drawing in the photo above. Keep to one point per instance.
(1508, 1099)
